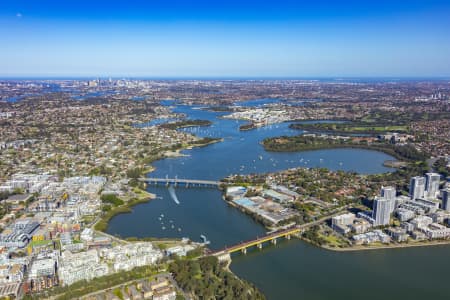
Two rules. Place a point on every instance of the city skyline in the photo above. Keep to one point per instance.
(237, 39)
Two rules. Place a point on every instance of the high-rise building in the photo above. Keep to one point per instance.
(445, 202)
(381, 211)
(432, 184)
(389, 193)
(417, 187)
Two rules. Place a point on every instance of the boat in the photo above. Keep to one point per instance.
(205, 240)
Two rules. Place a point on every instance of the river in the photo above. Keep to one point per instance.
(292, 269)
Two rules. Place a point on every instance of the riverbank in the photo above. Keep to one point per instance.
(348, 127)
(395, 164)
(311, 142)
(186, 123)
(203, 142)
(384, 246)
(142, 196)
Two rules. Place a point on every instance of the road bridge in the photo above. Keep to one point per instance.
(181, 182)
(258, 242)
(224, 254)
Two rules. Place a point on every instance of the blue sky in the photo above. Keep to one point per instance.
(156, 38)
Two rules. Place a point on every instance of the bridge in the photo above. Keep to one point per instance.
(181, 182)
(258, 242)
(224, 254)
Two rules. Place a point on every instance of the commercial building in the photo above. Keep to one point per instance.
(236, 192)
(436, 231)
(445, 202)
(371, 237)
(432, 184)
(360, 226)
(421, 222)
(389, 193)
(404, 214)
(398, 234)
(43, 267)
(276, 196)
(417, 187)
(342, 222)
(381, 211)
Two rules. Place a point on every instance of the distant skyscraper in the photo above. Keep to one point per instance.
(381, 211)
(417, 187)
(445, 203)
(432, 184)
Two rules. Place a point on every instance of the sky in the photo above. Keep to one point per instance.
(234, 38)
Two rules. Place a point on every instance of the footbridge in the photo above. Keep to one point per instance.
(181, 182)
(258, 242)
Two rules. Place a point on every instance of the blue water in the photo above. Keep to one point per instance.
(240, 152)
(202, 211)
(292, 269)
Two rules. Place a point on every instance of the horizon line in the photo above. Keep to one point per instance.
(206, 77)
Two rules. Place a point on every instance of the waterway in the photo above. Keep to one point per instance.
(292, 269)
(202, 211)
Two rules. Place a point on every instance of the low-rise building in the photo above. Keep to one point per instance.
(43, 267)
(398, 234)
(436, 231)
(404, 214)
(371, 237)
(421, 222)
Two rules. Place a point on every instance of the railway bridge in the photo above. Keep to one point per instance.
(258, 242)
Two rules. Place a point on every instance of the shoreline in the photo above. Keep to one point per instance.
(384, 247)
(103, 223)
(177, 153)
(340, 146)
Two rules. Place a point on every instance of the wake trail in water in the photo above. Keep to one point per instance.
(173, 195)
